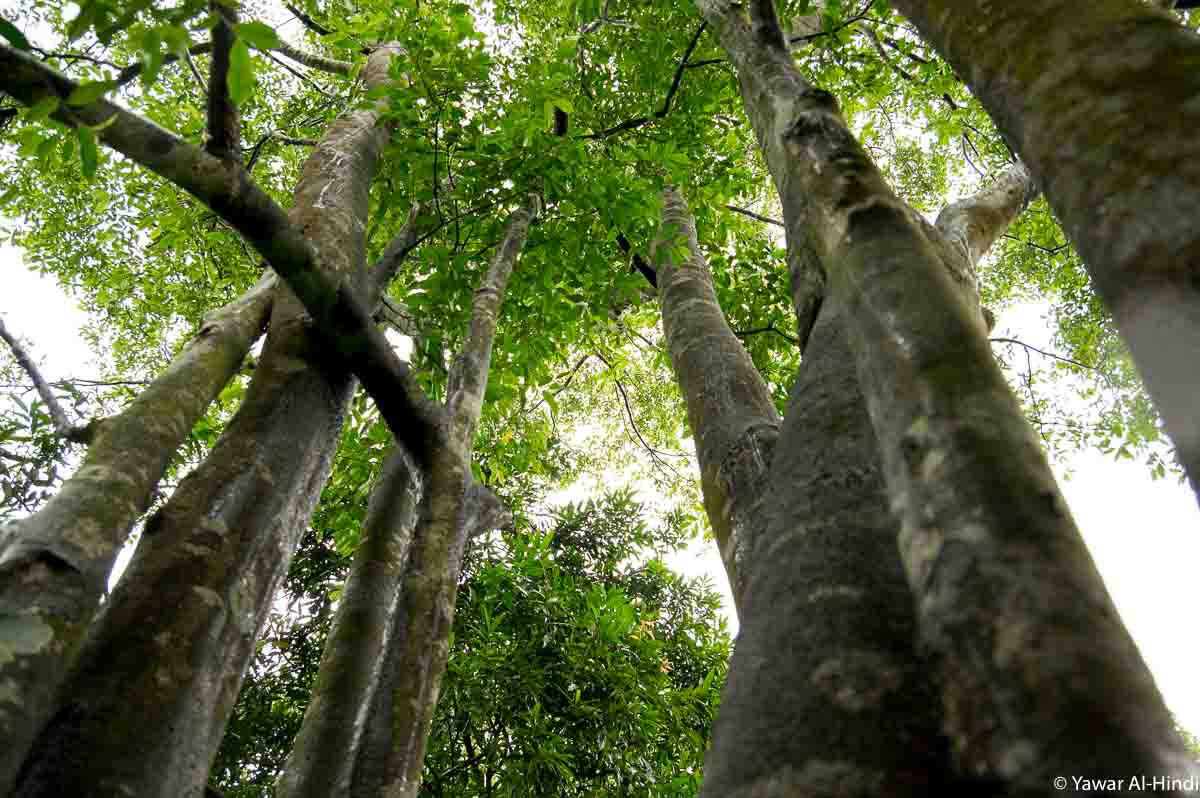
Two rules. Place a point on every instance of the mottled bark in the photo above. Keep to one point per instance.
(1039, 677)
(54, 564)
(145, 709)
(826, 695)
(730, 412)
(312, 61)
(1102, 107)
(332, 298)
(453, 509)
(324, 755)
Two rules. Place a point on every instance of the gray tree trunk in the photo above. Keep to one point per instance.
(1032, 660)
(54, 564)
(365, 730)
(1102, 106)
(144, 711)
(826, 620)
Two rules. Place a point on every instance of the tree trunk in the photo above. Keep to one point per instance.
(365, 731)
(55, 564)
(730, 411)
(145, 710)
(826, 621)
(1102, 106)
(1038, 676)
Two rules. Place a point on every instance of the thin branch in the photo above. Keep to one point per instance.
(337, 311)
(69, 431)
(753, 215)
(298, 75)
(769, 328)
(678, 78)
(131, 72)
(883, 56)
(308, 21)
(275, 135)
(1051, 355)
(224, 122)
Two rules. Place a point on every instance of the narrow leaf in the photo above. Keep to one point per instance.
(88, 156)
(241, 73)
(15, 37)
(258, 35)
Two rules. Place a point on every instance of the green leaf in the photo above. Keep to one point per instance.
(258, 35)
(87, 93)
(42, 109)
(15, 37)
(88, 155)
(152, 55)
(564, 104)
(241, 73)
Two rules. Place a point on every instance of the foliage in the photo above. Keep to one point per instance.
(580, 665)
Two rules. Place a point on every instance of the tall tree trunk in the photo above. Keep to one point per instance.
(1102, 106)
(365, 731)
(730, 411)
(1038, 676)
(826, 622)
(144, 712)
(55, 564)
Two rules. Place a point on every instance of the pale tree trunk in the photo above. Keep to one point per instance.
(145, 710)
(365, 730)
(55, 564)
(1038, 677)
(826, 621)
(730, 411)
(1102, 106)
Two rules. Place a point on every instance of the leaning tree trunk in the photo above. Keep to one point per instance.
(1038, 676)
(54, 564)
(145, 710)
(826, 623)
(365, 730)
(1102, 106)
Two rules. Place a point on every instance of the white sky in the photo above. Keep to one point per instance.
(1143, 534)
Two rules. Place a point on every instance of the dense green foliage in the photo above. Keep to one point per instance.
(580, 665)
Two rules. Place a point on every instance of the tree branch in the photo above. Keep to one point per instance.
(753, 215)
(308, 21)
(63, 425)
(224, 122)
(311, 61)
(225, 187)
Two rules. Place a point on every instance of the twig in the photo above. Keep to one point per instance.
(769, 328)
(308, 21)
(753, 215)
(69, 431)
(1044, 353)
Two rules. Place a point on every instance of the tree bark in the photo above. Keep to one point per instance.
(365, 731)
(1038, 676)
(730, 412)
(1102, 107)
(826, 622)
(54, 564)
(144, 711)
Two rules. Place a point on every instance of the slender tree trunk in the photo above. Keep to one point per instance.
(55, 564)
(826, 622)
(144, 712)
(1038, 676)
(1102, 106)
(730, 411)
(365, 731)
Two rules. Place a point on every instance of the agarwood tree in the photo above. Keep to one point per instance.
(442, 138)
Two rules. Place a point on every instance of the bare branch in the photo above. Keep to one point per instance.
(308, 21)
(753, 215)
(62, 424)
(131, 72)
